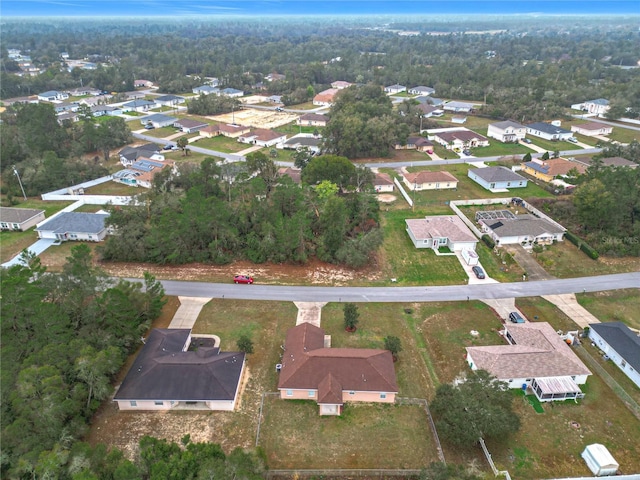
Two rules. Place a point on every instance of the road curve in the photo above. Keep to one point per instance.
(402, 294)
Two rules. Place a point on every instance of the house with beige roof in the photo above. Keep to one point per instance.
(427, 180)
(312, 120)
(460, 139)
(312, 370)
(536, 358)
(263, 137)
(592, 129)
(441, 231)
(383, 183)
(340, 84)
(224, 129)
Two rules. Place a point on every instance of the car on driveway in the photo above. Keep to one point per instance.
(169, 147)
(478, 272)
(243, 279)
(515, 317)
(149, 127)
(527, 141)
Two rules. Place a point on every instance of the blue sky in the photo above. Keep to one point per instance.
(49, 8)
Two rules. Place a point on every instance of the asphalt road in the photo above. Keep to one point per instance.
(401, 294)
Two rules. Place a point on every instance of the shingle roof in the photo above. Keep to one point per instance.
(314, 117)
(224, 127)
(382, 179)
(163, 371)
(496, 174)
(440, 226)
(304, 141)
(265, 135)
(555, 166)
(190, 123)
(592, 126)
(138, 103)
(158, 117)
(506, 124)
(622, 340)
(599, 101)
(18, 215)
(169, 98)
(547, 128)
(74, 222)
(426, 176)
(462, 135)
(523, 225)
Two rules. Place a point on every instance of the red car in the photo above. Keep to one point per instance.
(243, 279)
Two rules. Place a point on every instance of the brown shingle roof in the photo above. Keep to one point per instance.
(224, 127)
(265, 135)
(382, 179)
(462, 135)
(429, 177)
(440, 226)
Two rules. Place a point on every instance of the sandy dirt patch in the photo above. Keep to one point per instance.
(386, 198)
(257, 118)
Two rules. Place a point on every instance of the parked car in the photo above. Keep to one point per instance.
(243, 279)
(168, 147)
(526, 140)
(279, 109)
(149, 127)
(479, 273)
(573, 139)
(515, 317)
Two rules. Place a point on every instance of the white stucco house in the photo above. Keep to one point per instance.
(440, 231)
(621, 345)
(507, 131)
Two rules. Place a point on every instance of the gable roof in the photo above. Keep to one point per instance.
(67, 222)
(621, 339)
(18, 215)
(294, 173)
(592, 126)
(307, 364)
(314, 117)
(326, 95)
(426, 176)
(537, 351)
(382, 179)
(555, 166)
(497, 174)
(522, 225)
(138, 103)
(462, 135)
(164, 370)
(264, 134)
(440, 226)
(225, 127)
(547, 128)
(506, 124)
(146, 150)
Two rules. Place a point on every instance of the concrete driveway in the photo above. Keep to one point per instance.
(187, 313)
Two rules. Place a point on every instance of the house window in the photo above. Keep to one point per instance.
(157, 402)
(289, 393)
(623, 363)
(508, 184)
(311, 393)
(520, 183)
(73, 235)
(352, 393)
(4, 225)
(133, 403)
(383, 396)
(16, 226)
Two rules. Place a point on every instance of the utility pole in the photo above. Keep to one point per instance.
(19, 181)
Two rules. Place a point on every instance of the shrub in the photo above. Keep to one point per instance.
(582, 245)
(488, 241)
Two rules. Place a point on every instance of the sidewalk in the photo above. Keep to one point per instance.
(568, 304)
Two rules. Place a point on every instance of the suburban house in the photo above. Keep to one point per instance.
(101, 110)
(536, 358)
(430, 110)
(273, 77)
(166, 373)
(620, 344)
(441, 231)
(392, 89)
(460, 139)
(142, 83)
(507, 131)
(609, 162)
(231, 92)
(68, 116)
(311, 370)
(52, 96)
(507, 228)
(129, 155)
(340, 84)
(139, 105)
(416, 143)
(599, 106)
(188, 125)
(497, 178)
(420, 90)
(205, 90)
(459, 107)
(325, 98)
(158, 120)
(303, 140)
(74, 226)
(548, 131)
(169, 100)
(427, 180)
(547, 170)
(224, 129)
(382, 183)
(275, 99)
(592, 129)
(436, 102)
(141, 172)
(263, 137)
(312, 120)
(295, 174)
(134, 95)
(82, 91)
(19, 219)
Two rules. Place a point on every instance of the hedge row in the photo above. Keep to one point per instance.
(488, 241)
(581, 244)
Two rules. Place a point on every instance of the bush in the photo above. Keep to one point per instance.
(488, 241)
(582, 245)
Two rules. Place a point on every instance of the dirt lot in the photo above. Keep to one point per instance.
(256, 118)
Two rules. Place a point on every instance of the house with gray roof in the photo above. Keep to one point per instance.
(397, 88)
(497, 178)
(507, 131)
(441, 231)
(303, 140)
(189, 125)
(65, 226)
(621, 345)
(548, 131)
(599, 106)
(231, 92)
(19, 219)
(159, 120)
(128, 155)
(422, 90)
(167, 373)
(206, 90)
(138, 105)
(52, 96)
(536, 359)
(459, 107)
(169, 100)
(506, 228)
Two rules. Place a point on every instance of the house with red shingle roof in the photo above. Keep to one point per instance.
(325, 98)
(311, 370)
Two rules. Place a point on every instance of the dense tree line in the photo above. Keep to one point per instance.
(212, 104)
(64, 336)
(217, 213)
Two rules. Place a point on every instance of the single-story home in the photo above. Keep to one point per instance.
(426, 180)
(189, 125)
(169, 100)
(436, 102)
(536, 358)
(273, 77)
(312, 120)
(275, 99)
(101, 110)
(134, 95)
(325, 98)
(263, 137)
(82, 91)
(547, 170)
(382, 183)
(459, 107)
(548, 131)
(129, 155)
(507, 228)
(295, 174)
(231, 92)
(620, 344)
(158, 120)
(62, 107)
(441, 231)
(141, 172)
(507, 131)
(430, 110)
(592, 129)
(19, 219)
(392, 89)
(140, 83)
(224, 129)
(52, 96)
(421, 90)
(139, 105)
(303, 140)
(311, 370)
(460, 139)
(496, 178)
(74, 226)
(340, 84)
(166, 373)
(206, 90)
(69, 116)
(608, 162)
(416, 143)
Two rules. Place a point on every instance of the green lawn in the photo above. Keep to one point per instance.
(614, 306)
(161, 132)
(113, 188)
(303, 106)
(552, 146)
(222, 144)
(293, 129)
(624, 135)
(496, 148)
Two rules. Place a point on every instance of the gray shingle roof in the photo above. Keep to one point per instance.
(547, 128)
(74, 222)
(523, 225)
(17, 215)
(497, 174)
(621, 339)
(508, 123)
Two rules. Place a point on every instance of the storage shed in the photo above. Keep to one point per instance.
(599, 460)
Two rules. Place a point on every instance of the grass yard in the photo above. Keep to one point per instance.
(293, 129)
(160, 132)
(496, 147)
(537, 309)
(551, 146)
(499, 265)
(113, 188)
(614, 306)
(221, 144)
(624, 135)
(303, 106)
